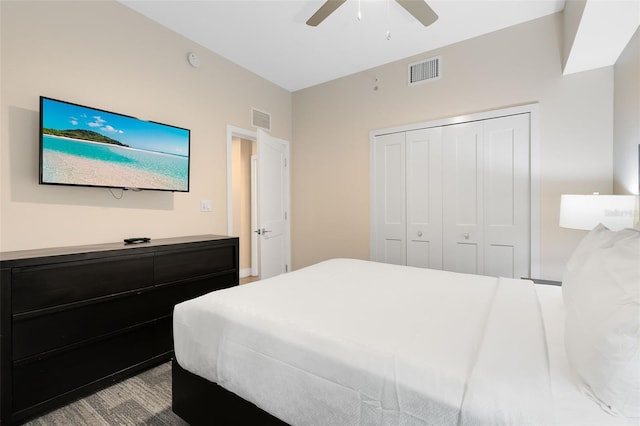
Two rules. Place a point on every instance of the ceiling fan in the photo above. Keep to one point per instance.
(418, 8)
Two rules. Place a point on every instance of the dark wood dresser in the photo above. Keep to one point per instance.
(76, 319)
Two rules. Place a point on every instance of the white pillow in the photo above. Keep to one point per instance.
(601, 289)
(599, 236)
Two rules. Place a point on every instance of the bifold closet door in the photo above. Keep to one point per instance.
(424, 198)
(408, 193)
(486, 197)
(454, 197)
(389, 243)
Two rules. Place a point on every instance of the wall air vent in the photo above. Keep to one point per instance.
(260, 119)
(427, 70)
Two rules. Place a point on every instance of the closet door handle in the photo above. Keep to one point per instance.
(419, 233)
(465, 235)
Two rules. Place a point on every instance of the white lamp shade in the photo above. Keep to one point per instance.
(587, 211)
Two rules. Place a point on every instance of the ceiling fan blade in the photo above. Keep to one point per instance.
(420, 10)
(325, 10)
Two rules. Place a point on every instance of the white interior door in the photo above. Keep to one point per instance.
(389, 243)
(424, 198)
(273, 205)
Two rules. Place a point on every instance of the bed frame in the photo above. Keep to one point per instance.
(201, 402)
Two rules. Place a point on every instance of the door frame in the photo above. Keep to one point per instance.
(255, 268)
(237, 132)
(534, 168)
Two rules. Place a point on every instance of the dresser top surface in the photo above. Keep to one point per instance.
(96, 248)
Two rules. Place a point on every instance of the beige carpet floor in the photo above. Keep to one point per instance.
(144, 399)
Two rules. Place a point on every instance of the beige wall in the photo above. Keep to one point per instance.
(626, 135)
(518, 65)
(102, 54)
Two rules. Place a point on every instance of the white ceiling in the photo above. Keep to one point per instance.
(271, 39)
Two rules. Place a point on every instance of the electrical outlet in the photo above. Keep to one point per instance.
(205, 205)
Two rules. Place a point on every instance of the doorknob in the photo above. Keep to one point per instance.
(261, 231)
(466, 235)
(419, 233)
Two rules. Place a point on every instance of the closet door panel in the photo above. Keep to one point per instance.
(394, 251)
(465, 259)
(390, 199)
(462, 198)
(424, 198)
(506, 170)
(500, 261)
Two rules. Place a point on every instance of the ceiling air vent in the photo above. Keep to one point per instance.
(260, 119)
(427, 70)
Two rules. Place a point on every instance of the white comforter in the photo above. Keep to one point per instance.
(349, 342)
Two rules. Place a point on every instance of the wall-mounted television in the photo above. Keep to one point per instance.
(87, 146)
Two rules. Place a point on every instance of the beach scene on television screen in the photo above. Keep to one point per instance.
(84, 146)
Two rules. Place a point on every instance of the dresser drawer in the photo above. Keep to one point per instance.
(35, 334)
(48, 285)
(188, 263)
(45, 378)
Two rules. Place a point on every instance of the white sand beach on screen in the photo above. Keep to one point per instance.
(71, 169)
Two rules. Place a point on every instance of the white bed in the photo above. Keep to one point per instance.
(352, 342)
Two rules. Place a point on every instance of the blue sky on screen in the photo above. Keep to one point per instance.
(130, 131)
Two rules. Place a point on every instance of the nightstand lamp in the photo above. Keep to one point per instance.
(616, 212)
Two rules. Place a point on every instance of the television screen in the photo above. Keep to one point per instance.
(91, 147)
